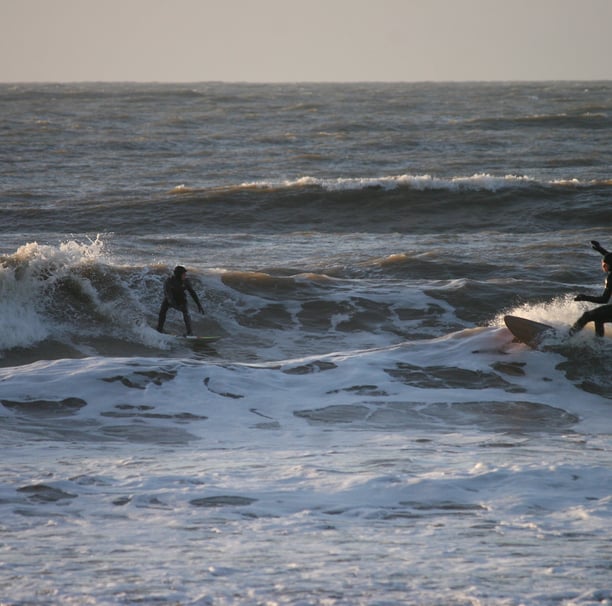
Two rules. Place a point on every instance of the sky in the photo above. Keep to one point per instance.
(304, 40)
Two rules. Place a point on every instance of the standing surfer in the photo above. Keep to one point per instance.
(603, 314)
(175, 297)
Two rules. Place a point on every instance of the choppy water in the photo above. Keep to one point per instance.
(365, 431)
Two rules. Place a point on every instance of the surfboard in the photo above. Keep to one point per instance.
(194, 339)
(199, 340)
(527, 331)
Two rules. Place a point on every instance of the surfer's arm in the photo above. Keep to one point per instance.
(194, 296)
(605, 296)
(603, 299)
(598, 247)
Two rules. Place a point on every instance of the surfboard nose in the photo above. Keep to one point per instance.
(527, 331)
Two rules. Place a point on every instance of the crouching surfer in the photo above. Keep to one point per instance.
(600, 315)
(174, 296)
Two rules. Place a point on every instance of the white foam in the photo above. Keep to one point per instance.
(28, 278)
(560, 312)
(176, 458)
(475, 182)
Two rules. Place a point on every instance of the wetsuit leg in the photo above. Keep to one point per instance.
(599, 315)
(187, 319)
(161, 320)
(579, 324)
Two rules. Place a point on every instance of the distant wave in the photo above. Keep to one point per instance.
(598, 118)
(476, 182)
(403, 203)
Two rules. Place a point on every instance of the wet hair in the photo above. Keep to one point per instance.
(608, 259)
(179, 270)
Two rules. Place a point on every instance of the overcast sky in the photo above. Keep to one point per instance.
(304, 40)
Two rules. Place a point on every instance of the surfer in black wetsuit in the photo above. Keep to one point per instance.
(175, 297)
(603, 314)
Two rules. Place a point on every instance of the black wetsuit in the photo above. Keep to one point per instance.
(599, 315)
(175, 297)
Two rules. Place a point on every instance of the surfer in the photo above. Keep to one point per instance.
(174, 296)
(603, 314)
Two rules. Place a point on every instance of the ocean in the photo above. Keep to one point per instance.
(365, 431)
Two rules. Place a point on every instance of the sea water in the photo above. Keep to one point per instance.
(365, 431)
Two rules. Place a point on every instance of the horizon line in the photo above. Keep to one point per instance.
(267, 82)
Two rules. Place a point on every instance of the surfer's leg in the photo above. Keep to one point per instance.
(600, 316)
(161, 320)
(582, 321)
(187, 320)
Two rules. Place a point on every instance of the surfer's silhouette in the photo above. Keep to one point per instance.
(175, 297)
(600, 315)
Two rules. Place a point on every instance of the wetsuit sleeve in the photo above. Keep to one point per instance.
(193, 294)
(604, 298)
(598, 247)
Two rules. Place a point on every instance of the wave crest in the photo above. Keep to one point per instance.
(475, 182)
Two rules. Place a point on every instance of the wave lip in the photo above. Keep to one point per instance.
(475, 182)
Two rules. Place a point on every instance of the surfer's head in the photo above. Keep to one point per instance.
(606, 262)
(179, 271)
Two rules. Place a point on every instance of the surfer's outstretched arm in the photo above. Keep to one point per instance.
(598, 247)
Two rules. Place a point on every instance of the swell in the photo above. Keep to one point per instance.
(595, 118)
(399, 204)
